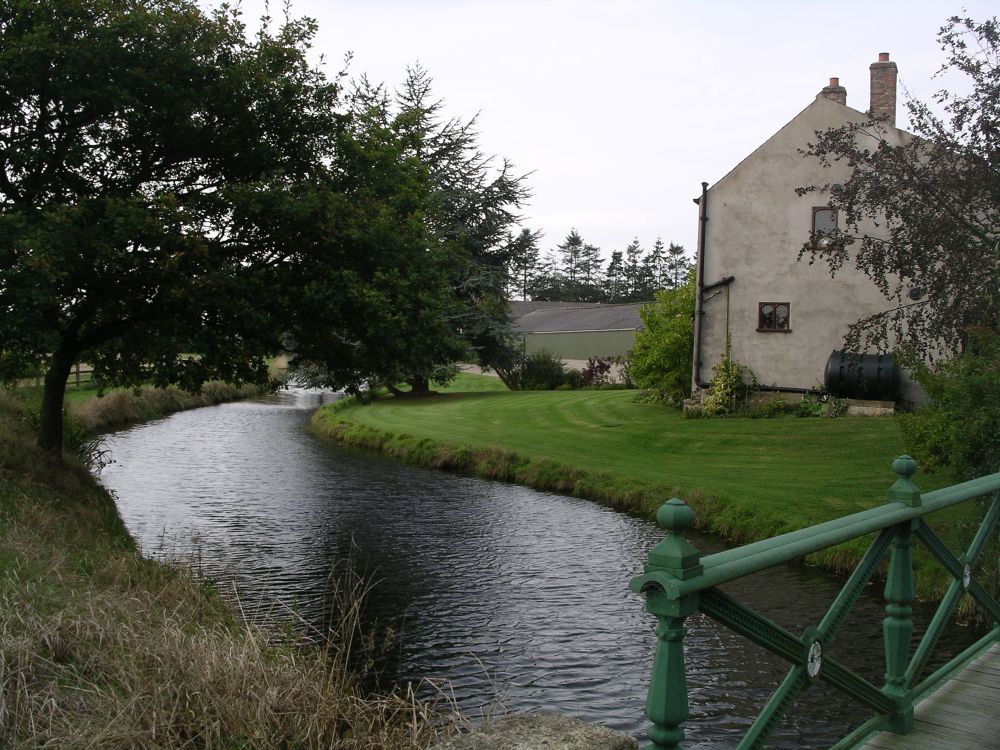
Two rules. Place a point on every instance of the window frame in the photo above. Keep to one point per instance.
(832, 210)
(760, 317)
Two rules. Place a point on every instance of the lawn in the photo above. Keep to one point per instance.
(824, 467)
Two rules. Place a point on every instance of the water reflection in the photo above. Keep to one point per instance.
(499, 592)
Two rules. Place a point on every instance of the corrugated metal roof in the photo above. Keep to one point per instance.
(520, 308)
(577, 316)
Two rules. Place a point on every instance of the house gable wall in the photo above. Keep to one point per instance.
(756, 227)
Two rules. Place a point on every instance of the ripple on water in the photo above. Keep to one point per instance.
(505, 594)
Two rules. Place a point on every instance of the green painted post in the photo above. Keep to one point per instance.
(897, 627)
(904, 490)
(667, 700)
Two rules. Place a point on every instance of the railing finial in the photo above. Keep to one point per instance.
(675, 553)
(904, 490)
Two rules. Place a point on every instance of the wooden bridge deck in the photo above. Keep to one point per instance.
(963, 713)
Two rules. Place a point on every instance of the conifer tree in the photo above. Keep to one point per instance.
(614, 279)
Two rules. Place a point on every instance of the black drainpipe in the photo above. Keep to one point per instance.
(700, 308)
(705, 289)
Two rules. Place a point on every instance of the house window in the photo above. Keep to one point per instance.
(824, 220)
(773, 316)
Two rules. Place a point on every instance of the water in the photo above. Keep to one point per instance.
(500, 595)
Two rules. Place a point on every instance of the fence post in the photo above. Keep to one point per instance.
(897, 627)
(667, 700)
(77, 374)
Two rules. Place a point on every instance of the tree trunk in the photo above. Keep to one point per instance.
(50, 423)
(509, 376)
(419, 386)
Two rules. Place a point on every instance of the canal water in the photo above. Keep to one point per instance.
(501, 598)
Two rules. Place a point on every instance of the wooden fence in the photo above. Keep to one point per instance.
(81, 375)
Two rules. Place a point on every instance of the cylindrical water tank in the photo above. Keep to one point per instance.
(867, 376)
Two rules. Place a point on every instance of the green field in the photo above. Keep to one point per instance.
(822, 467)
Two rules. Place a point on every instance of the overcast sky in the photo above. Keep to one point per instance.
(621, 109)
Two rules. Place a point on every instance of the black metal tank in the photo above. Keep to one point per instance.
(867, 376)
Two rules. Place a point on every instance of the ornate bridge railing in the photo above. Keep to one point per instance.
(679, 582)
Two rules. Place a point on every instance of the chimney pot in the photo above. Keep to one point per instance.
(834, 82)
(883, 57)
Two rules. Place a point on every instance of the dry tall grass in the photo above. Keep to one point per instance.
(120, 407)
(100, 648)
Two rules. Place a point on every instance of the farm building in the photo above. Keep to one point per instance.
(576, 331)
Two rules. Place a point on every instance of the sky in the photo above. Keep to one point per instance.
(620, 110)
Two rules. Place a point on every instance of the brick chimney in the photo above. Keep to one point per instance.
(835, 92)
(883, 89)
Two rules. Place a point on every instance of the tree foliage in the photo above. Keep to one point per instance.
(179, 199)
(158, 168)
(574, 272)
(961, 428)
(435, 261)
(523, 263)
(935, 198)
(662, 356)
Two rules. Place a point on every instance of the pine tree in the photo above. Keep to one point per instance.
(677, 265)
(570, 256)
(590, 265)
(548, 283)
(656, 265)
(523, 263)
(636, 279)
(614, 278)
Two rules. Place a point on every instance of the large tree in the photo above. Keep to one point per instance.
(443, 299)
(373, 300)
(936, 199)
(473, 205)
(160, 168)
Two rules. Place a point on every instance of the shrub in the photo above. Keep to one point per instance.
(542, 371)
(775, 406)
(732, 384)
(961, 428)
(823, 406)
(597, 371)
(573, 379)
(661, 359)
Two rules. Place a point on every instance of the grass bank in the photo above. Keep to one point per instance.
(102, 648)
(122, 407)
(746, 479)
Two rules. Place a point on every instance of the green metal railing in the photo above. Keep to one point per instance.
(678, 582)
